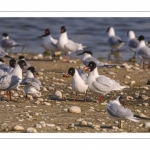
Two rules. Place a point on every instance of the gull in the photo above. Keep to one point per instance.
(32, 84)
(114, 41)
(6, 70)
(12, 80)
(87, 57)
(116, 109)
(143, 51)
(23, 58)
(79, 83)
(3, 54)
(66, 45)
(8, 43)
(132, 42)
(100, 83)
(49, 42)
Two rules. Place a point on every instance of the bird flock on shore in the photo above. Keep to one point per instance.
(11, 75)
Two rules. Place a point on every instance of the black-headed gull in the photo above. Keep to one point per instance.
(79, 83)
(66, 45)
(132, 42)
(100, 83)
(23, 58)
(116, 109)
(114, 41)
(143, 51)
(6, 70)
(87, 57)
(7, 43)
(32, 84)
(12, 81)
(49, 42)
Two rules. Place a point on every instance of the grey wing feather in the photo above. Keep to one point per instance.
(83, 76)
(98, 63)
(32, 81)
(144, 52)
(133, 43)
(2, 52)
(114, 40)
(119, 111)
(8, 43)
(8, 82)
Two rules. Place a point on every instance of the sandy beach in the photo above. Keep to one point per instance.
(50, 112)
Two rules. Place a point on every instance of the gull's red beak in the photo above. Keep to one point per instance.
(66, 75)
(86, 68)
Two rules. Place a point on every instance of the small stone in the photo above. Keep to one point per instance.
(96, 127)
(146, 125)
(18, 128)
(38, 126)
(58, 128)
(89, 124)
(47, 104)
(69, 88)
(80, 119)
(127, 77)
(129, 98)
(132, 82)
(34, 57)
(145, 104)
(114, 127)
(58, 94)
(40, 56)
(74, 109)
(15, 94)
(31, 130)
(50, 88)
(70, 126)
(50, 125)
(40, 99)
(42, 123)
(44, 89)
(82, 123)
(37, 102)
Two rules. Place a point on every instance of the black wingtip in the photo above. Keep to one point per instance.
(137, 116)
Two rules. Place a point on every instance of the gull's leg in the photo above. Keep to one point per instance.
(119, 124)
(149, 64)
(10, 94)
(26, 97)
(85, 96)
(143, 64)
(99, 98)
(75, 97)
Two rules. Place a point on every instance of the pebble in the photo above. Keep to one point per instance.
(15, 94)
(42, 123)
(146, 125)
(74, 109)
(58, 128)
(80, 119)
(37, 102)
(129, 98)
(44, 89)
(50, 125)
(58, 94)
(40, 56)
(82, 123)
(34, 57)
(127, 77)
(89, 124)
(132, 82)
(71, 126)
(96, 127)
(31, 130)
(69, 88)
(47, 104)
(18, 128)
(38, 126)
(50, 88)
(145, 104)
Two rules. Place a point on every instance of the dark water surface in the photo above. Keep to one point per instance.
(91, 32)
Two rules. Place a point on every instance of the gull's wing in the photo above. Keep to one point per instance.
(8, 43)
(117, 111)
(133, 43)
(8, 82)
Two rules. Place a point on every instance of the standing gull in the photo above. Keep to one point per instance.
(114, 41)
(6, 70)
(49, 42)
(32, 84)
(143, 51)
(87, 57)
(79, 82)
(132, 42)
(8, 43)
(100, 83)
(12, 81)
(66, 45)
(117, 110)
